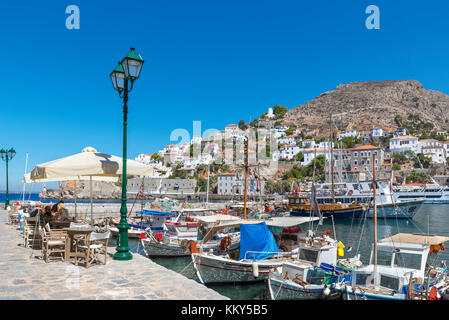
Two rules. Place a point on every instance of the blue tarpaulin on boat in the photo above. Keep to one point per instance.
(155, 213)
(257, 238)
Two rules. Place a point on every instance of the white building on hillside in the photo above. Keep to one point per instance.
(437, 153)
(288, 152)
(404, 143)
(347, 133)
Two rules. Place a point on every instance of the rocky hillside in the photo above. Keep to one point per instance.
(365, 105)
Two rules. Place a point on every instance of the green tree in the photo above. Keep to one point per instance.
(279, 111)
(242, 125)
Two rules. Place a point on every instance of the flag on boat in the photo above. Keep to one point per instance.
(359, 187)
(315, 205)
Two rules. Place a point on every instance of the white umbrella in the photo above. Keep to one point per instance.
(88, 164)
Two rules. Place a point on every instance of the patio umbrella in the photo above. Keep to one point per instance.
(88, 163)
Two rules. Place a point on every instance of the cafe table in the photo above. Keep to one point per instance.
(76, 235)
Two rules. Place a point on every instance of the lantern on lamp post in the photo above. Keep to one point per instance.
(7, 156)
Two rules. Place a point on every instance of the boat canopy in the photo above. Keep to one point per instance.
(215, 218)
(155, 213)
(424, 239)
(287, 222)
(256, 242)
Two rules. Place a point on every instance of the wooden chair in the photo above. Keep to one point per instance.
(54, 243)
(31, 232)
(91, 248)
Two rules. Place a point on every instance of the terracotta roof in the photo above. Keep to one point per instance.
(427, 140)
(227, 174)
(403, 138)
(365, 147)
(387, 164)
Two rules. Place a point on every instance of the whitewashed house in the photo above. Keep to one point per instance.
(436, 153)
(347, 133)
(233, 184)
(404, 143)
(288, 152)
(377, 132)
(291, 139)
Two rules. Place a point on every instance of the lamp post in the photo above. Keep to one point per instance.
(127, 71)
(7, 156)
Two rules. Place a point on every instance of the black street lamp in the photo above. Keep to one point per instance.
(7, 156)
(128, 70)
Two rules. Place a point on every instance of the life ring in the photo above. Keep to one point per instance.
(327, 232)
(158, 237)
(190, 219)
(350, 192)
(225, 243)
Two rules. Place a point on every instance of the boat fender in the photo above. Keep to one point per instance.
(326, 291)
(255, 267)
(158, 237)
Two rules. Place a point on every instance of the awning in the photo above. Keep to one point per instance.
(426, 239)
(216, 218)
(287, 222)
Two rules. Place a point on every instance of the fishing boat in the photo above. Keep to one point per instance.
(307, 277)
(257, 255)
(143, 220)
(398, 266)
(400, 273)
(180, 239)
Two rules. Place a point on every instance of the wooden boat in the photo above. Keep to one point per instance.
(180, 239)
(301, 206)
(258, 255)
(313, 274)
(394, 278)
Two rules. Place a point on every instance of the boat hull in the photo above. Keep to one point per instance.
(289, 290)
(337, 214)
(396, 211)
(350, 294)
(217, 270)
(154, 249)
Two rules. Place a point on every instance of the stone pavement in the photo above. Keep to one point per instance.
(25, 276)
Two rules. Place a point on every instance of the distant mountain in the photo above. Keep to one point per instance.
(366, 105)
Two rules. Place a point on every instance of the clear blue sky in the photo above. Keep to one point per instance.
(216, 61)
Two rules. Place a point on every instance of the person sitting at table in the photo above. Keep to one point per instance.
(59, 211)
(46, 214)
(37, 210)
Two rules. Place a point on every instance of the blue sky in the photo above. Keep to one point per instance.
(210, 60)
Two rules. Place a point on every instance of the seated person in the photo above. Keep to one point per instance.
(37, 210)
(60, 212)
(46, 215)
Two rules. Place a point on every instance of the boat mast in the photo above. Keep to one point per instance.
(207, 190)
(24, 184)
(375, 218)
(246, 178)
(332, 161)
(143, 186)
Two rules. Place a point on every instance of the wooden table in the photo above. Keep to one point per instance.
(59, 224)
(76, 235)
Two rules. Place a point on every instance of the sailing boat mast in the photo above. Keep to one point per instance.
(375, 218)
(332, 161)
(143, 186)
(207, 190)
(246, 178)
(26, 167)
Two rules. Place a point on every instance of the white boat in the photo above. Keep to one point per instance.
(257, 256)
(179, 239)
(301, 279)
(428, 193)
(400, 272)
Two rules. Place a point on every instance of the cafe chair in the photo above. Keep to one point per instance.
(92, 248)
(31, 232)
(54, 243)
